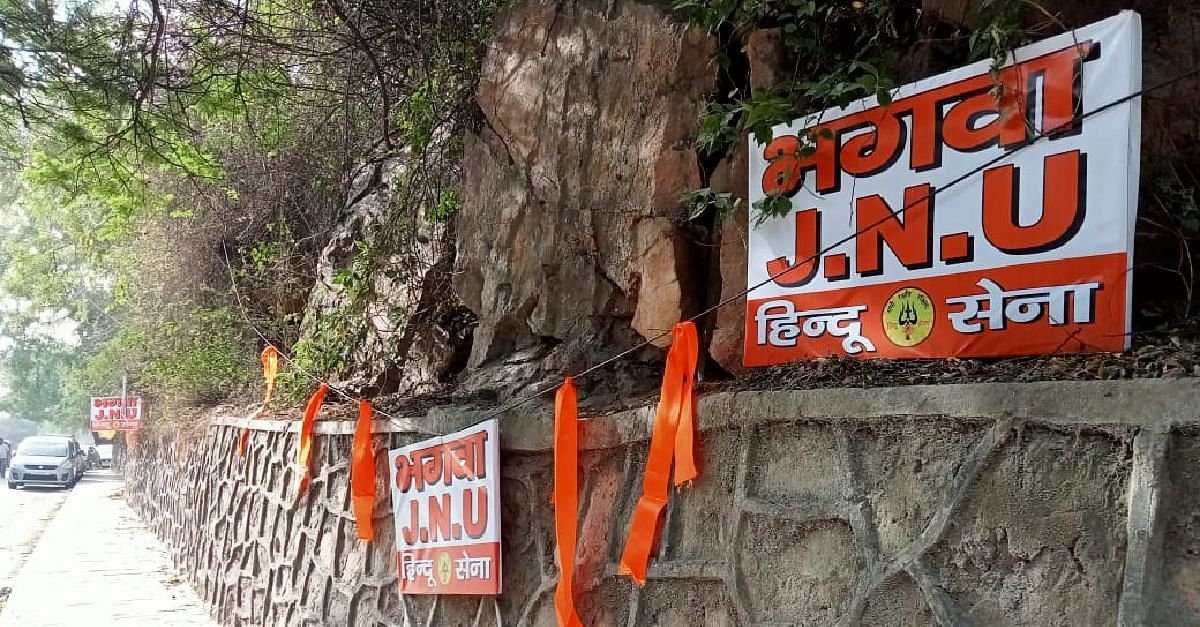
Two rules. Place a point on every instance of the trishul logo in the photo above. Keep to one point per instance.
(908, 317)
(445, 569)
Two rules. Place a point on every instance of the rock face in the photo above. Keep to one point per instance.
(568, 247)
(728, 332)
(567, 240)
(408, 333)
(768, 61)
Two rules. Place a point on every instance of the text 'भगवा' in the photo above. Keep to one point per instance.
(1030, 255)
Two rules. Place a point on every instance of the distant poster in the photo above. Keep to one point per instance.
(1030, 255)
(106, 413)
(446, 503)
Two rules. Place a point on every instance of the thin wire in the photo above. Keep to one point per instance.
(932, 192)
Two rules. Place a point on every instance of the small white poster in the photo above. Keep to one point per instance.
(446, 503)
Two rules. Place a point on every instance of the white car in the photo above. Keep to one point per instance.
(105, 451)
(49, 460)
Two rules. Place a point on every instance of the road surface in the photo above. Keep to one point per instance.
(24, 515)
(82, 557)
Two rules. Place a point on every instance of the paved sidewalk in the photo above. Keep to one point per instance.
(97, 564)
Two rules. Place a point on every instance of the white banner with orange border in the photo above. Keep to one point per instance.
(1031, 255)
(105, 413)
(446, 503)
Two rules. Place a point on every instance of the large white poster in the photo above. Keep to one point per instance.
(896, 247)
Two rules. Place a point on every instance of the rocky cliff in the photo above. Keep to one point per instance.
(569, 239)
(408, 333)
(571, 243)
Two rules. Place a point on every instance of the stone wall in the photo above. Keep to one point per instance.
(1055, 503)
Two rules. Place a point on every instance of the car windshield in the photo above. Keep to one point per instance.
(43, 449)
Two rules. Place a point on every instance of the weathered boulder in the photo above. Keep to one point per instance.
(665, 267)
(403, 333)
(568, 247)
(731, 175)
(768, 57)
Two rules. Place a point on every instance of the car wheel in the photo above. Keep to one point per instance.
(73, 481)
(13, 485)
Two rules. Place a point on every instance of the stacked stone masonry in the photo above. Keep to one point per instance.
(1032, 504)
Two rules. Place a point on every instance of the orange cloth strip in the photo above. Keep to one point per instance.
(673, 439)
(685, 437)
(362, 472)
(306, 435)
(270, 364)
(244, 442)
(566, 499)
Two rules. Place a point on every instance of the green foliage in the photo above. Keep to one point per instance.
(698, 201)
(843, 52)
(711, 14)
(417, 120)
(1000, 31)
(841, 46)
(324, 350)
(771, 206)
(447, 205)
(266, 254)
(69, 53)
(355, 280)
(202, 360)
(723, 124)
(36, 368)
(178, 168)
(718, 127)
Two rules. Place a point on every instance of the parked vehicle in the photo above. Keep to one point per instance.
(51, 460)
(106, 455)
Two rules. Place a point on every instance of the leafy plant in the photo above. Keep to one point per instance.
(771, 206)
(698, 201)
(447, 205)
(1000, 31)
(842, 52)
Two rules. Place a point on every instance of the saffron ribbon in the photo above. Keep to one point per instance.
(673, 439)
(362, 472)
(566, 499)
(270, 364)
(306, 435)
